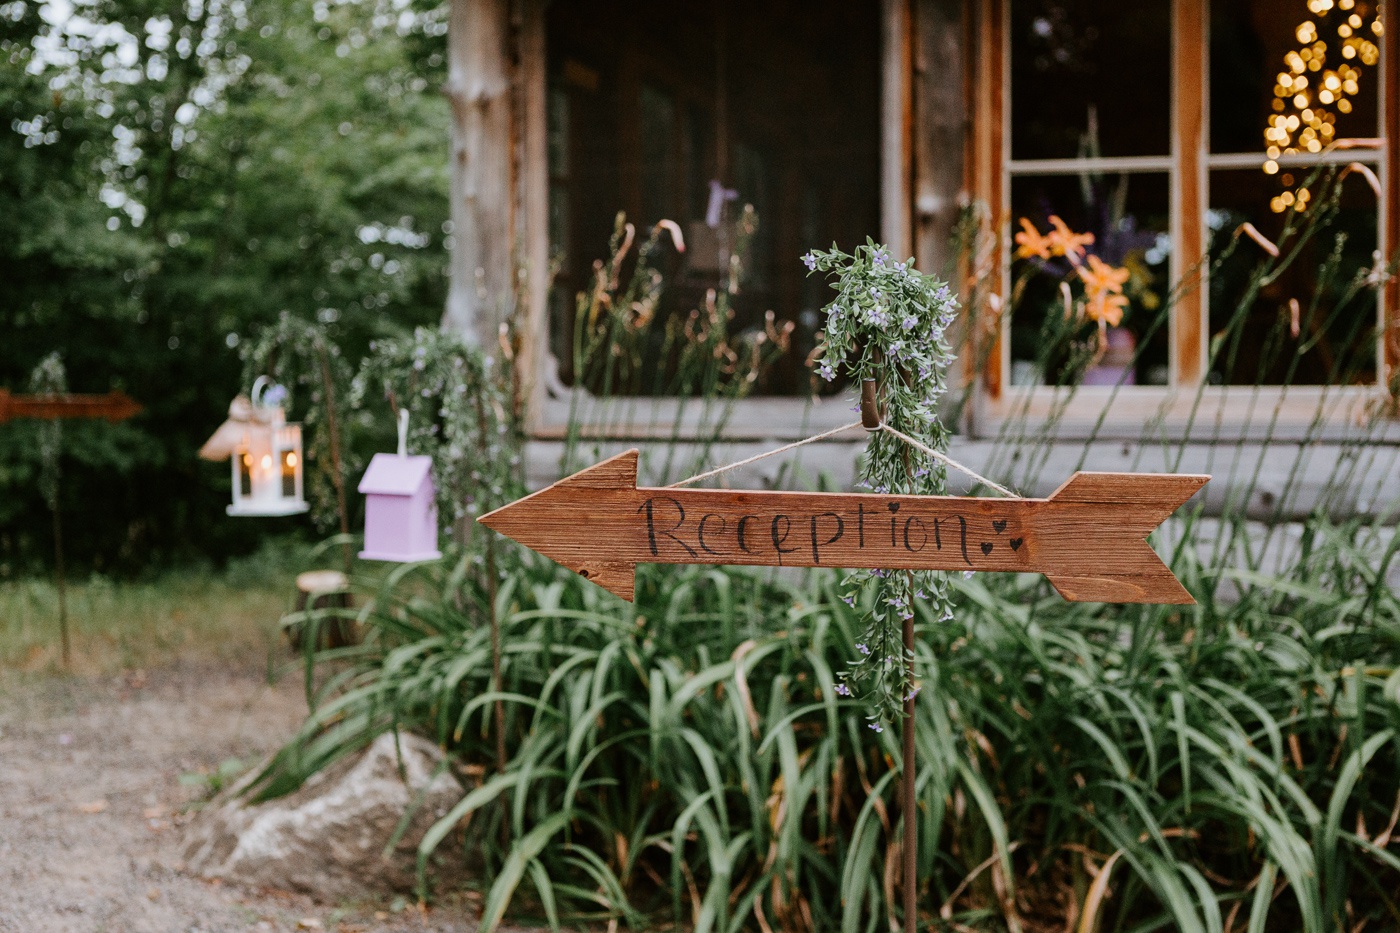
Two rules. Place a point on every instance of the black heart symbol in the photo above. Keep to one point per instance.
(986, 547)
(1015, 544)
(999, 526)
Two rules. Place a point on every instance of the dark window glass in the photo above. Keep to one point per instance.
(1275, 60)
(659, 175)
(1090, 77)
(689, 112)
(1127, 216)
(1313, 322)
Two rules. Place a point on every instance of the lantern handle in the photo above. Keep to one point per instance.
(403, 432)
(260, 385)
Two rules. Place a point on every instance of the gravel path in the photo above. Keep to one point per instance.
(91, 805)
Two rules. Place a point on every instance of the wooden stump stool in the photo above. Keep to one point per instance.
(322, 589)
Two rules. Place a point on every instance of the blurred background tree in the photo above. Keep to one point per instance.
(174, 176)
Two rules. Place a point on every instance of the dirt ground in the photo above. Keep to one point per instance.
(92, 804)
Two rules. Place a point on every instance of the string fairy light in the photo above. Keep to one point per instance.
(1308, 91)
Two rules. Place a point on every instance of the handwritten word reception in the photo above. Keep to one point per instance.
(1088, 538)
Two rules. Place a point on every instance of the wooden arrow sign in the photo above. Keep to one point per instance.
(1088, 538)
(114, 406)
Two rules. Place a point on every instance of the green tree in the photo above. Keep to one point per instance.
(174, 176)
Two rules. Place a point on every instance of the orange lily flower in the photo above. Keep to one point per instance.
(1103, 286)
(1106, 308)
(1065, 242)
(1099, 276)
(1030, 243)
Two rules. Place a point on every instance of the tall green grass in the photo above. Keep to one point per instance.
(685, 761)
(196, 613)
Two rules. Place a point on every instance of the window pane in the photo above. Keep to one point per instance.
(1127, 216)
(1315, 322)
(1273, 60)
(690, 112)
(1092, 77)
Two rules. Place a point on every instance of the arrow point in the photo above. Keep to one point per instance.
(536, 521)
(122, 406)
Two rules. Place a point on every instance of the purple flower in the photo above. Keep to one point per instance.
(810, 262)
(849, 600)
(967, 574)
(861, 647)
(908, 322)
(825, 371)
(912, 693)
(842, 690)
(877, 727)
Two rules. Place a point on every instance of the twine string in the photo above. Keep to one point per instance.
(941, 457)
(944, 458)
(757, 457)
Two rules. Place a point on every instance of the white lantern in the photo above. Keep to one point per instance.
(264, 453)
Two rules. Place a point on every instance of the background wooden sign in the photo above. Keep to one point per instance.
(114, 406)
(1088, 538)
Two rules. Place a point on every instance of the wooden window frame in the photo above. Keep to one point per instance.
(1183, 407)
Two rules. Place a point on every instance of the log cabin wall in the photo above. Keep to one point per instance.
(836, 120)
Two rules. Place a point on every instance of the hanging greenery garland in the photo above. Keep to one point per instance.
(887, 324)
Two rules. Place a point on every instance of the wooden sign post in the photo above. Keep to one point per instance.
(1088, 537)
(114, 406)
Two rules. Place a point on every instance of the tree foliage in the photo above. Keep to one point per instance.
(173, 177)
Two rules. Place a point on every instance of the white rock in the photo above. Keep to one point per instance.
(327, 839)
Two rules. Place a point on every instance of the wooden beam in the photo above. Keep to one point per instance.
(481, 292)
(1390, 209)
(532, 228)
(987, 97)
(896, 134)
(1190, 186)
(940, 127)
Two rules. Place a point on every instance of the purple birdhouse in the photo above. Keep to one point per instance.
(400, 512)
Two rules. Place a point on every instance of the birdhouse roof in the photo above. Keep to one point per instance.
(390, 474)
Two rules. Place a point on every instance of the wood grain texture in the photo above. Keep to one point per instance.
(1189, 196)
(114, 406)
(1088, 537)
(987, 81)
